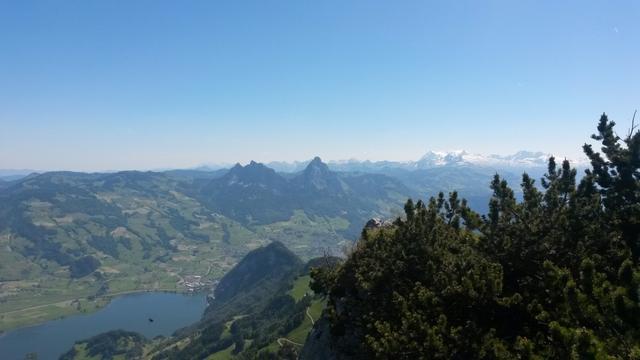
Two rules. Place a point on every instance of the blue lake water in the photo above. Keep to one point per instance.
(129, 312)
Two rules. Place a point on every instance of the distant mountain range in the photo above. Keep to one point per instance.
(7, 175)
(70, 234)
(257, 194)
(106, 210)
(520, 161)
(87, 234)
(461, 158)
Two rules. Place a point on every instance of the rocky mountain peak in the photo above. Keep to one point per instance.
(318, 175)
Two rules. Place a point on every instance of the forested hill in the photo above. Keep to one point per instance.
(247, 288)
(257, 195)
(118, 232)
(59, 217)
(263, 308)
(554, 276)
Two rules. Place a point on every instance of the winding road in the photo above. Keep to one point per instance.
(282, 340)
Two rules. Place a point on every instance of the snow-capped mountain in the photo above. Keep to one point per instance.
(521, 159)
(518, 162)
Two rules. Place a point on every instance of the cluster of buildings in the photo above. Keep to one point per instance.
(195, 283)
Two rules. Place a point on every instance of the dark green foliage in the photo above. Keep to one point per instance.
(184, 226)
(321, 271)
(552, 276)
(469, 181)
(178, 222)
(279, 317)
(255, 194)
(164, 238)
(43, 245)
(106, 346)
(238, 341)
(106, 244)
(257, 269)
(226, 236)
(287, 352)
(321, 262)
(12, 216)
(254, 300)
(616, 175)
(322, 279)
(83, 266)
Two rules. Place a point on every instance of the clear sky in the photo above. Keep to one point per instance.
(94, 85)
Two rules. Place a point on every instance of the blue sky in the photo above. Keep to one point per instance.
(94, 85)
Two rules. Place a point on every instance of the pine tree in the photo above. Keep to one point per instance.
(552, 276)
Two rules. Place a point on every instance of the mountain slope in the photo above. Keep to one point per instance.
(256, 195)
(250, 194)
(264, 309)
(76, 235)
(262, 264)
(139, 229)
(252, 307)
(317, 177)
(257, 276)
(117, 344)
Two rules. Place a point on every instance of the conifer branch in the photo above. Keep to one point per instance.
(633, 125)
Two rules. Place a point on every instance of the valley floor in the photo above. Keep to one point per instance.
(24, 303)
(41, 295)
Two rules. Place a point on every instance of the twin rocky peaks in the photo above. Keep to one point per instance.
(316, 175)
(315, 164)
(257, 194)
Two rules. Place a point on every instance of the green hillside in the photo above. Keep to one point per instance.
(262, 302)
(263, 306)
(70, 239)
(112, 345)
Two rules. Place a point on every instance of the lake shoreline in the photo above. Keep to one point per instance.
(171, 310)
(67, 311)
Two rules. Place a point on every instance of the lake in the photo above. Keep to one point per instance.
(169, 311)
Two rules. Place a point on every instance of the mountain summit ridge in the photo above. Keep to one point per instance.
(520, 160)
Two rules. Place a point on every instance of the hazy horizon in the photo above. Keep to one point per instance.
(577, 161)
(153, 84)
